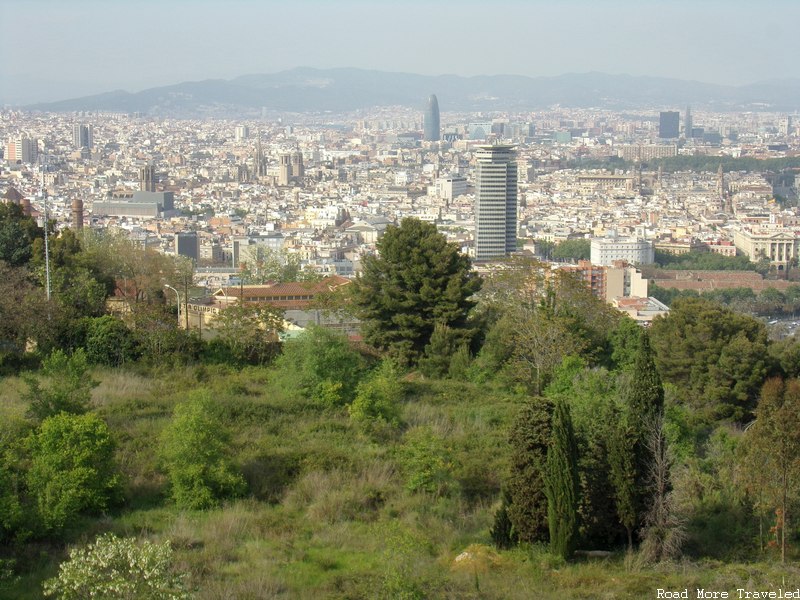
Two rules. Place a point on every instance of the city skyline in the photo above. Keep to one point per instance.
(710, 41)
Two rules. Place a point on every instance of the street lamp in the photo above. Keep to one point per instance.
(177, 301)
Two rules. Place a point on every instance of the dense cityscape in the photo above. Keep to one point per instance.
(321, 190)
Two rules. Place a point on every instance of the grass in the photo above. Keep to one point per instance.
(328, 514)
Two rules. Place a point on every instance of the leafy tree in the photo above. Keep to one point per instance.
(716, 359)
(110, 342)
(113, 568)
(250, 331)
(156, 332)
(624, 341)
(417, 280)
(68, 386)
(23, 308)
(573, 250)
(196, 456)
(561, 483)
(72, 469)
(320, 365)
(773, 448)
(530, 437)
(17, 234)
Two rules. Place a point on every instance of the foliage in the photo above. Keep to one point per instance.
(417, 280)
(72, 468)
(591, 394)
(196, 455)
(250, 331)
(703, 261)
(561, 483)
(772, 446)
(439, 351)
(320, 365)
(716, 358)
(630, 457)
(17, 233)
(426, 462)
(110, 342)
(664, 528)
(68, 386)
(502, 531)
(378, 397)
(115, 568)
(573, 250)
(530, 437)
(158, 337)
(23, 308)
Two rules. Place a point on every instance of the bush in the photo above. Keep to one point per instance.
(378, 398)
(196, 456)
(109, 342)
(68, 389)
(320, 365)
(72, 468)
(115, 567)
(426, 463)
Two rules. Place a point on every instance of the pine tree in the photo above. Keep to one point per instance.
(561, 483)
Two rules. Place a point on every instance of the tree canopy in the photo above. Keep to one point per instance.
(416, 281)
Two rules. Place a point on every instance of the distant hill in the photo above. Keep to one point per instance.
(318, 90)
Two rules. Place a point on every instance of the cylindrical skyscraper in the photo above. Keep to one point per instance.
(431, 120)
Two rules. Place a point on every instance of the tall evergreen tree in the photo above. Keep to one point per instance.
(561, 483)
(530, 438)
(417, 279)
(630, 456)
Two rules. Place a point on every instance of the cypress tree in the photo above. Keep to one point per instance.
(630, 456)
(530, 438)
(561, 483)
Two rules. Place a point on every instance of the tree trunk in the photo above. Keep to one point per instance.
(630, 539)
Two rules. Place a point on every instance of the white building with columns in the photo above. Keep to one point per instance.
(777, 244)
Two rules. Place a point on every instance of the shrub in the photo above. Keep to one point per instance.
(378, 398)
(72, 468)
(115, 567)
(109, 342)
(196, 456)
(68, 389)
(426, 463)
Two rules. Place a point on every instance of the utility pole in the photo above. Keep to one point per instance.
(177, 302)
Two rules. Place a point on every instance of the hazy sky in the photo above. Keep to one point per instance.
(52, 49)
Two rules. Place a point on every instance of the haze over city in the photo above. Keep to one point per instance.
(57, 50)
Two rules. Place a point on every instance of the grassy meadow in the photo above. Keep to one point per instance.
(329, 512)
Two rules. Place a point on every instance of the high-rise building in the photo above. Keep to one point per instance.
(687, 124)
(187, 243)
(25, 150)
(298, 170)
(242, 133)
(431, 120)
(82, 136)
(495, 202)
(669, 124)
(147, 179)
(285, 172)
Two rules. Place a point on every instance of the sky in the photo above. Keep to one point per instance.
(56, 49)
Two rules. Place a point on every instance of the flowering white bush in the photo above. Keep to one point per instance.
(119, 569)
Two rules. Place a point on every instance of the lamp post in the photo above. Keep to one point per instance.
(177, 301)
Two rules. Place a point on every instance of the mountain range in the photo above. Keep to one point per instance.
(308, 90)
